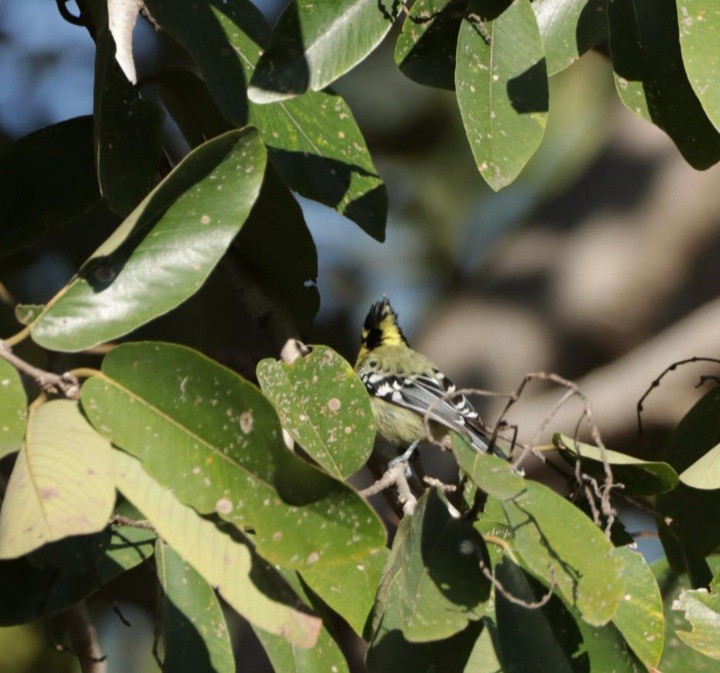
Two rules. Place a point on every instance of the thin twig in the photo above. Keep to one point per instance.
(83, 640)
(441, 486)
(394, 476)
(66, 383)
(118, 520)
(530, 605)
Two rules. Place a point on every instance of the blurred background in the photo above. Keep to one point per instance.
(601, 263)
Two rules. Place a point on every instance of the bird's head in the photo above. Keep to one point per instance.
(381, 328)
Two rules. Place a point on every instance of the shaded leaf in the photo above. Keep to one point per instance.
(48, 180)
(36, 586)
(639, 616)
(324, 406)
(639, 477)
(325, 655)
(286, 272)
(349, 588)
(502, 88)
(195, 634)
(569, 28)
(27, 313)
(699, 22)
(425, 50)
(13, 409)
(226, 562)
(164, 251)
(317, 148)
(189, 103)
(233, 461)
(551, 638)
(224, 40)
(651, 80)
(702, 610)
(607, 651)
(694, 525)
(704, 473)
(128, 142)
(62, 482)
(546, 529)
(490, 473)
(312, 44)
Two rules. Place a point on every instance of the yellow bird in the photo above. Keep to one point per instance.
(405, 386)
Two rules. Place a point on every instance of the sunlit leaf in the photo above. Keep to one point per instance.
(225, 561)
(35, 193)
(164, 251)
(324, 406)
(702, 610)
(195, 634)
(502, 87)
(312, 44)
(639, 477)
(62, 482)
(699, 22)
(569, 28)
(13, 409)
(546, 529)
(705, 473)
(651, 80)
(349, 588)
(213, 438)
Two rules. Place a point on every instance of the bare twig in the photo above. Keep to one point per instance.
(83, 640)
(656, 383)
(534, 605)
(66, 383)
(118, 520)
(441, 486)
(394, 476)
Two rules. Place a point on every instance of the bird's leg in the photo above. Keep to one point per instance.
(405, 458)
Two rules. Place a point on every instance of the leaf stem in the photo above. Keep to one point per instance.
(15, 339)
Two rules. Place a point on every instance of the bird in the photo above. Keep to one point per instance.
(405, 386)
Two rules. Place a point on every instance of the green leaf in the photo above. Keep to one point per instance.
(704, 473)
(692, 512)
(13, 409)
(153, 398)
(164, 251)
(62, 483)
(317, 148)
(349, 588)
(699, 22)
(425, 50)
(224, 40)
(312, 44)
(27, 313)
(547, 530)
(324, 406)
(128, 141)
(639, 616)
(433, 573)
(325, 655)
(490, 473)
(287, 273)
(34, 194)
(651, 80)
(607, 650)
(551, 638)
(502, 87)
(569, 28)
(225, 561)
(639, 477)
(34, 587)
(702, 610)
(195, 634)
(189, 103)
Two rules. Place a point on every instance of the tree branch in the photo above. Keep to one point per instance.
(66, 383)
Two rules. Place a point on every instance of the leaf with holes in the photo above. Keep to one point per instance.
(62, 482)
(702, 610)
(225, 561)
(13, 409)
(164, 251)
(502, 86)
(324, 406)
(213, 438)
